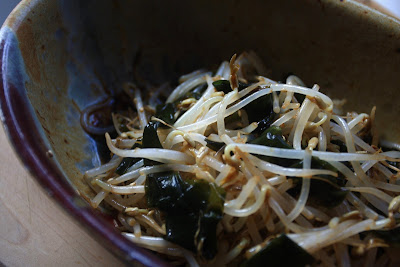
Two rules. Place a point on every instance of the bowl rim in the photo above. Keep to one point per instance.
(28, 145)
(15, 115)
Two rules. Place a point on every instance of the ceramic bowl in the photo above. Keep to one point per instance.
(59, 57)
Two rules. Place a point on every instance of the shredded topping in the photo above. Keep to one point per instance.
(234, 167)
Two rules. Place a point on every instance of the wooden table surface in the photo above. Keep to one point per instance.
(34, 230)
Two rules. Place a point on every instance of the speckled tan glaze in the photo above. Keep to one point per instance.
(47, 88)
(75, 52)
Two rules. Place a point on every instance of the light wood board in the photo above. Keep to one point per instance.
(34, 230)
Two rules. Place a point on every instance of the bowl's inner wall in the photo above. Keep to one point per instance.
(76, 52)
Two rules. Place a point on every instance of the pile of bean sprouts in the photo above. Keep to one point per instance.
(258, 205)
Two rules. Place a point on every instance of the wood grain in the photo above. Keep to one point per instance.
(35, 231)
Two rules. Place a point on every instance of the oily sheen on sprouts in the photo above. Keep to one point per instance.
(233, 168)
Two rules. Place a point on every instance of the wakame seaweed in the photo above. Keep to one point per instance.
(150, 136)
(206, 202)
(273, 137)
(166, 113)
(214, 145)
(327, 190)
(196, 93)
(342, 146)
(126, 163)
(151, 140)
(223, 86)
(180, 183)
(193, 209)
(391, 236)
(165, 190)
(261, 111)
(280, 251)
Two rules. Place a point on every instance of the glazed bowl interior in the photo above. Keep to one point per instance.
(59, 57)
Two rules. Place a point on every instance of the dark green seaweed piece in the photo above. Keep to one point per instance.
(196, 93)
(206, 202)
(273, 137)
(165, 191)
(151, 140)
(181, 229)
(204, 196)
(126, 163)
(214, 145)
(223, 86)
(243, 86)
(392, 236)
(166, 113)
(212, 213)
(341, 144)
(193, 209)
(150, 136)
(265, 123)
(233, 118)
(327, 191)
(261, 111)
(206, 240)
(280, 251)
